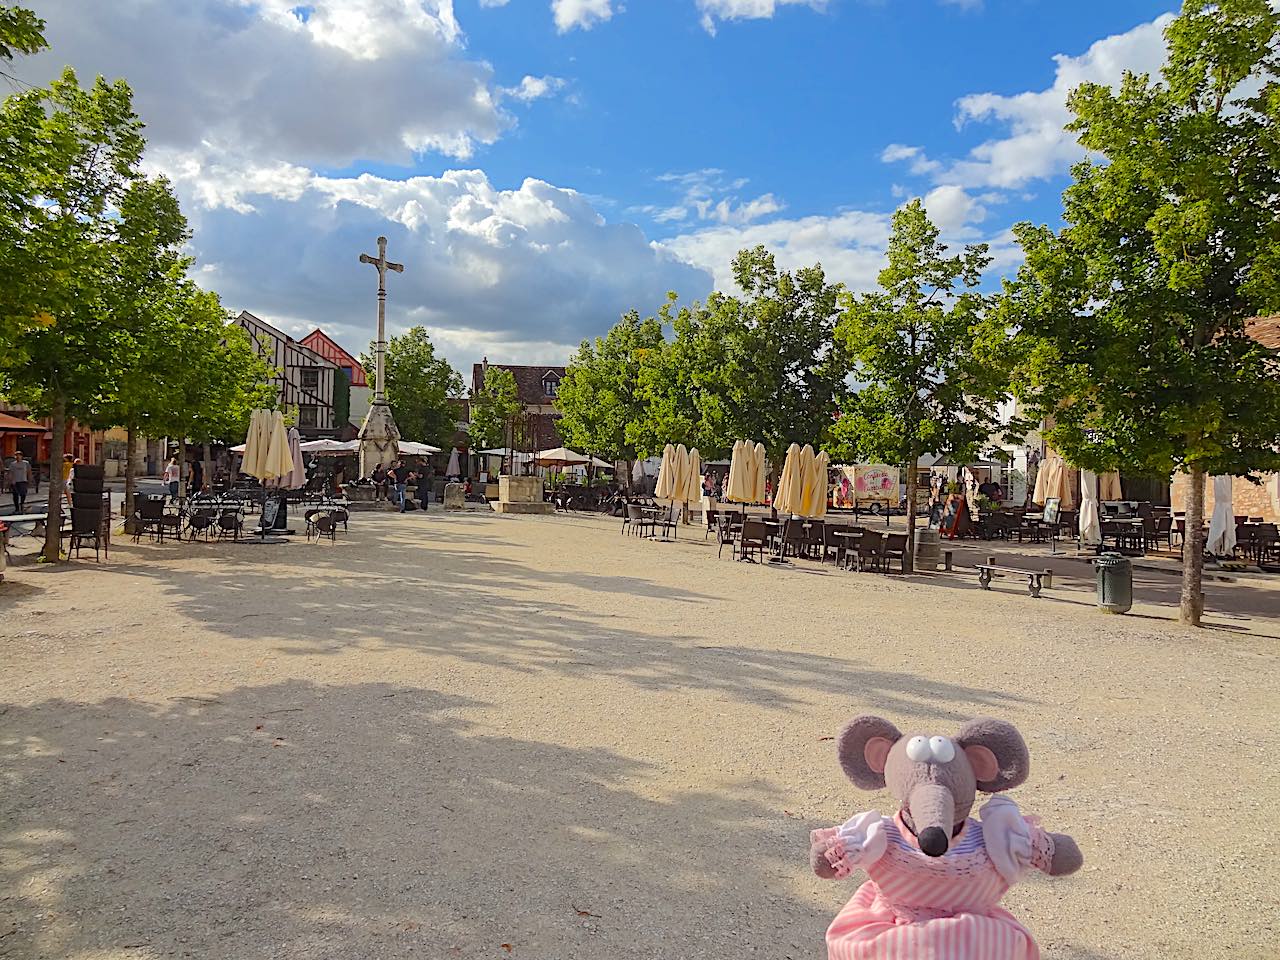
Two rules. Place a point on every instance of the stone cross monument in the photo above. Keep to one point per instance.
(378, 434)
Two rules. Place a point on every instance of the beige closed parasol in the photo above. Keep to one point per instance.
(692, 478)
(786, 499)
(1109, 486)
(666, 474)
(757, 490)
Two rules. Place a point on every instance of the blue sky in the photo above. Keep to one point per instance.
(542, 166)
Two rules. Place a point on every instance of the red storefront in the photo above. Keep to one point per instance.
(34, 438)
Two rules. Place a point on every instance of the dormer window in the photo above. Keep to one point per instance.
(550, 383)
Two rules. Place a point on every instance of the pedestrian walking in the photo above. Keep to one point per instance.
(400, 479)
(68, 465)
(172, 474)
(19, 474)
(424, 488)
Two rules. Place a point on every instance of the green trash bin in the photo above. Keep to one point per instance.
(1115, 583)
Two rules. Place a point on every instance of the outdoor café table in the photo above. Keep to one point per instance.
(654, 513)
(1128, 532)
(35, 519)
(851, 537)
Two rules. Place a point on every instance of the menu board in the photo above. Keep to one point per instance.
(955, 517)
(269, 512)
(1052, 505)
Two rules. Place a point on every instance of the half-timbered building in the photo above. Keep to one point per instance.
(302, 377)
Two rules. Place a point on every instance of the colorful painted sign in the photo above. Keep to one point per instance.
(865, 483)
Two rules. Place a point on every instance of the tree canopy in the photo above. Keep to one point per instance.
(419, 386)
(98, 319)
(21, 31)
(1134, 314)
(599, 396)
(759, 365)
(923, 349)
(492, 408)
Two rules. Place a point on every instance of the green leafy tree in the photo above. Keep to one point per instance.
(1134, 313)
(146, 276)
(600, 393)
(21, 31)
(493, 407)
(682, 386)
(419, 385)
(70, 157)
(215, 378)
(760, 366)
(341, 398)
(923, 349)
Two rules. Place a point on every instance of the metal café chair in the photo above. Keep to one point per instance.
(147, 517)
(754, 539)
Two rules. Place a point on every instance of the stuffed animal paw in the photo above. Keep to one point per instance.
(820, 841)
(1007, 837)
(860, 841)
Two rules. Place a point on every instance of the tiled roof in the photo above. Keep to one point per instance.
(246, 319)
(528, 380)
(1266, 330)
(323, 344)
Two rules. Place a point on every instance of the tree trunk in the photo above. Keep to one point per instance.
(909, 556)
(626, 481)
(1192, 601)
(55, 493)
(130, 468)
(182, 461)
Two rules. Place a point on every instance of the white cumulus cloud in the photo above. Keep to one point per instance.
(487, 270)
(1036, 146)
(952, 209)
(708, 195)
(849, 245)
(322, 82)
(583, 14)
(714, 10)
(535, 88)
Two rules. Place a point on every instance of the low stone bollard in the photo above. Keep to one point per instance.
(455, 496)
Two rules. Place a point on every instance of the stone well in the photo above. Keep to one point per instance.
(521, 495)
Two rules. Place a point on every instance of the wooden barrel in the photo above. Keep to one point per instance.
(928, 550)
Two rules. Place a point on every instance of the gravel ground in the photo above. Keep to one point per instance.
(479, 736)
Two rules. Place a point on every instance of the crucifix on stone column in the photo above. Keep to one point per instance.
(379, 435)
(380, 348)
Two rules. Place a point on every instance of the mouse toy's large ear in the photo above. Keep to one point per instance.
(997, 753)
(863, 748)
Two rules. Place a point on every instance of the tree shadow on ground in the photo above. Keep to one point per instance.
(484, 610)
(1241, 601)
(297, 820)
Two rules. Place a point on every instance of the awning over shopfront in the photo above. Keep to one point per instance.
(11, 424)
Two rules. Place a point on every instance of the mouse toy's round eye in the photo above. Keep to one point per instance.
(918, 749)
(943, 750)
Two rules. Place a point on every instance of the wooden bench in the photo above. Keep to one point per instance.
(1037, 580)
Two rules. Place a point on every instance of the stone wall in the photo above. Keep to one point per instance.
(1247, 499)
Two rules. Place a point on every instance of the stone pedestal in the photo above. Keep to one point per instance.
(455, 496)
(378, 438)
(362, 497)
(521, 495)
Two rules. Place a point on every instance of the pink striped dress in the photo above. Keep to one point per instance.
(917, 907)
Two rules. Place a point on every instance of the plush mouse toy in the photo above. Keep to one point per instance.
(936, 875)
